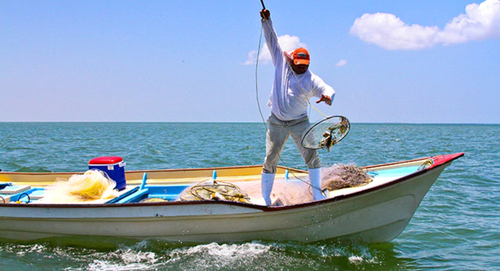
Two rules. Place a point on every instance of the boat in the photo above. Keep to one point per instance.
(376, 212)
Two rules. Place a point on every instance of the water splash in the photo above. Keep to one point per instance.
(155, 255)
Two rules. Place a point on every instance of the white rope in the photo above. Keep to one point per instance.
(257, 80)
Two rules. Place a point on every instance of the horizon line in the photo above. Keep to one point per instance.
(251, 122)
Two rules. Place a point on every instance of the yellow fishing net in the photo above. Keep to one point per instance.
(91, 186)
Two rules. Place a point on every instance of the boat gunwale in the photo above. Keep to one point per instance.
(444, 163)
(153, 170)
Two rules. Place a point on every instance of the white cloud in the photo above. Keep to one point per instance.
(286, 42)
(481, 21)
(341, 63)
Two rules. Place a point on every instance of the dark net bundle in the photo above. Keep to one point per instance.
(343, 176)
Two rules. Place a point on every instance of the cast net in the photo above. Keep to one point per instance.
(341, 176)
(326, 133)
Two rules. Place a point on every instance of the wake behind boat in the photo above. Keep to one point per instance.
(376, 212)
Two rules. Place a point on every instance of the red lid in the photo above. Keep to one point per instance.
(105, 160)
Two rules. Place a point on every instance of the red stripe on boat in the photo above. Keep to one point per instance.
(441, 159)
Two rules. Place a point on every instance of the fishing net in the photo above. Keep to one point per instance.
(90, 186)
(214, 190)
(326, 133)
(297, 191)
(285, 192)
(343, 176)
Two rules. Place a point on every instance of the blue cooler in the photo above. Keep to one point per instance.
(113, 166)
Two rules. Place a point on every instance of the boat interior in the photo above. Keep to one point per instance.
(168, 186)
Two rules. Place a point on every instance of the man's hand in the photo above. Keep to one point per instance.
(265, 14)
(325, 98)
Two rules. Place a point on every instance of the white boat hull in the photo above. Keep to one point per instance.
(377, 214)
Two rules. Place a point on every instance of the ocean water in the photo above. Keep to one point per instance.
(456, 227)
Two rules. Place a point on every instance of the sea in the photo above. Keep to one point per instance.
(456, 227)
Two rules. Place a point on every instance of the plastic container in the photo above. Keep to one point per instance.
(113, 166)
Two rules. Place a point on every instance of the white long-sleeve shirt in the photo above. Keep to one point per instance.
(288, 101)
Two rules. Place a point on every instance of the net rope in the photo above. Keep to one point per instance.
(214, 190)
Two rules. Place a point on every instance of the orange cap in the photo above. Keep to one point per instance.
(300, 56)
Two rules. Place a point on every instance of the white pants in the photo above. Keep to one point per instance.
(278, 134)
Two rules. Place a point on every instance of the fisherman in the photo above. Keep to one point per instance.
(289, 103)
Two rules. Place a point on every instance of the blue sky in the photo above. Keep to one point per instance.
(174, 61)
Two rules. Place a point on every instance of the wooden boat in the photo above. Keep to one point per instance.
(376, 212)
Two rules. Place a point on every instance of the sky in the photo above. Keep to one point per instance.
(194, 61)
